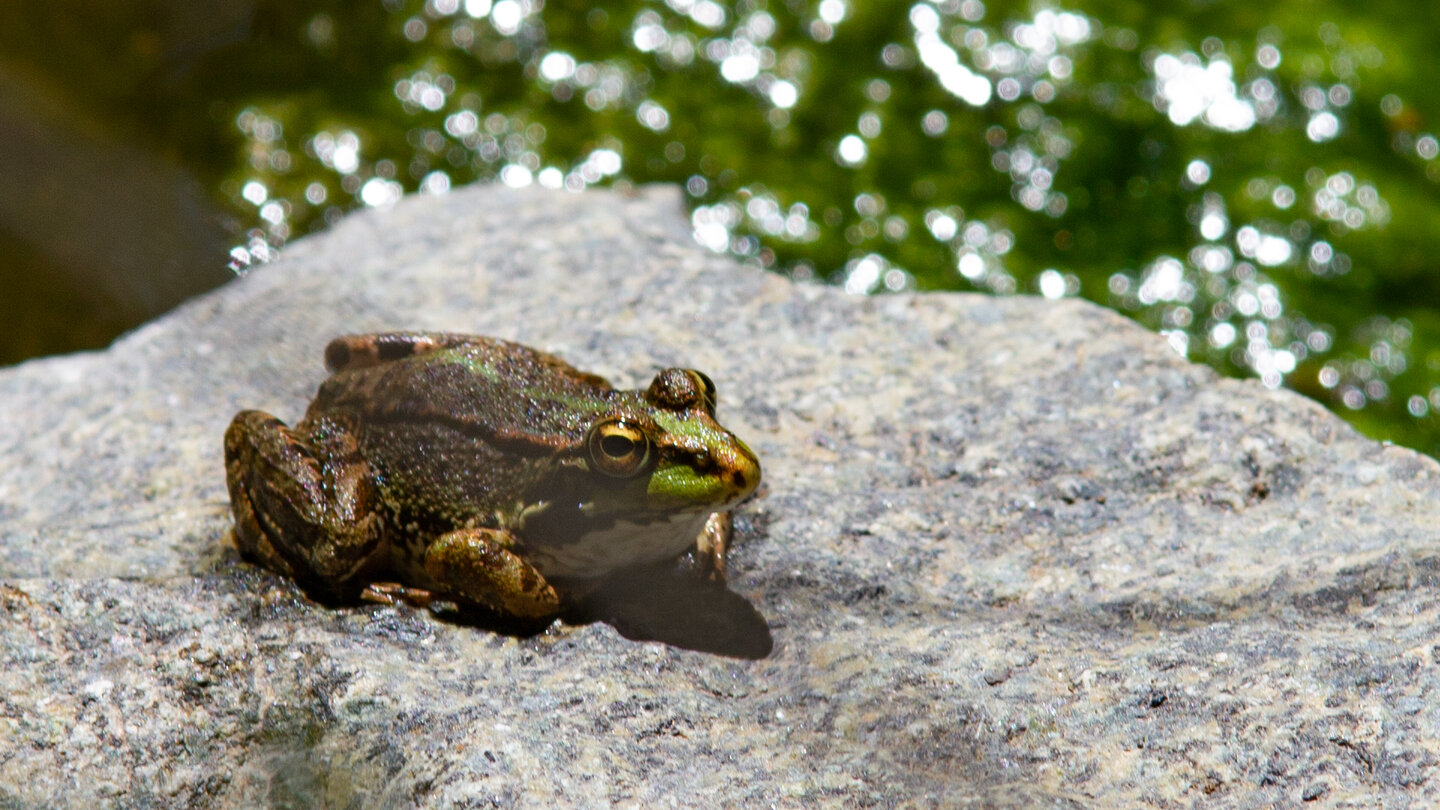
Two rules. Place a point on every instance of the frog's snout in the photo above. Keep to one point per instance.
(744, 471)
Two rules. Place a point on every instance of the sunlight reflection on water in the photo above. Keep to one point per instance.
(1217, 297)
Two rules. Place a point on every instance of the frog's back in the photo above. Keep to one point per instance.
(455, 426)
(484, 386)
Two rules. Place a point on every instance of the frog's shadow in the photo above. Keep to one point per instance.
(668, 603)
(660, 603)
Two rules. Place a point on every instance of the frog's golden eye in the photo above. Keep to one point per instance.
(618, 448)
(707, 387)
(680, 389)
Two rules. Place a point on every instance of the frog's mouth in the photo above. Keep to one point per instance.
(709, 481)
(683, 488)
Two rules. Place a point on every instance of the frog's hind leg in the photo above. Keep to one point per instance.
(363, 351)
(309, 520)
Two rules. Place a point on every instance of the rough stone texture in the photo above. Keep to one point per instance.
(1011, 552)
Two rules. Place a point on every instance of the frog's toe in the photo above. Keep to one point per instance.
(392, 593)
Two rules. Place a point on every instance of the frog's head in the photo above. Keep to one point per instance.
(666, 452)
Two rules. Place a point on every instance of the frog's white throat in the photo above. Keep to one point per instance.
(619, 543)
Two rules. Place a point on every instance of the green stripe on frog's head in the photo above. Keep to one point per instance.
(701, 464)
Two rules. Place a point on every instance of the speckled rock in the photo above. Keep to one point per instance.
(1010, 552)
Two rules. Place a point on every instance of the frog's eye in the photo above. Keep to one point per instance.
(680, 389)
(618, 448)
(707, 388)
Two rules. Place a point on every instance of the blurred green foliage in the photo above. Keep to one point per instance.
(1256, 182)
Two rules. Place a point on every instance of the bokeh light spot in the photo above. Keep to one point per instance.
(851, 151)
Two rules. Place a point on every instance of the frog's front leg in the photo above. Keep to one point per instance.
(712, 545)
(303, 507)
(479, 565)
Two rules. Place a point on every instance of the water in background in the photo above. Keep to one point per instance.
(1257, 184)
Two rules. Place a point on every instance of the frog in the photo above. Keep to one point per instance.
(444, 467)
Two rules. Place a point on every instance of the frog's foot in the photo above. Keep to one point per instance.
(479, 565)
(711, 547)
(309, 521)
(393, 593)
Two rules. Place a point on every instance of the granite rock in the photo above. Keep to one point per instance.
(1009, 552)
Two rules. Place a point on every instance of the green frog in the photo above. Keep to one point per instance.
(447, 466)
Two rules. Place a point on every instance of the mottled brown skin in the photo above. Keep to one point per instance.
(481, 471)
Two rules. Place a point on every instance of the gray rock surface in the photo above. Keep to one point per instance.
(1011, 552)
